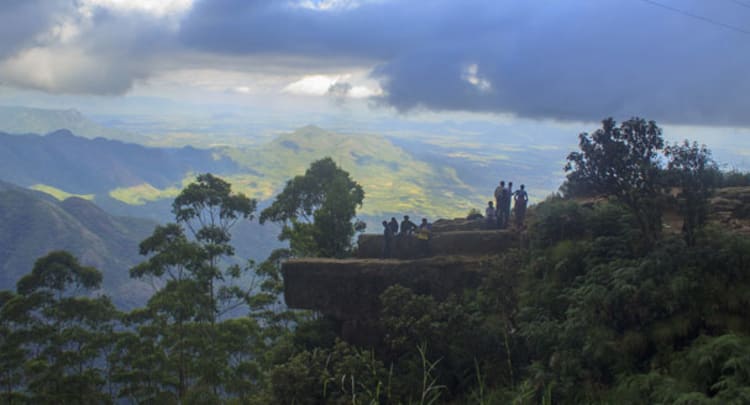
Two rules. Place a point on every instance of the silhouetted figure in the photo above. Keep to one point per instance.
(407, 227)
(503, 207)
(387, 240)
(498, 203)
(394, 225)
(490, 215)
(423, 236)
(522, 200)
(508, 198)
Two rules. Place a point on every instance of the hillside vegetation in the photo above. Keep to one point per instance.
(596, 304)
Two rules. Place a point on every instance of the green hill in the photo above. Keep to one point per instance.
(394, 181)
(33, 224)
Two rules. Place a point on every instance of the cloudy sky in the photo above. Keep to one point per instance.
(681, 62)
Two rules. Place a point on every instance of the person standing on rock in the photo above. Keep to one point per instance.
(503, 207)
(521, 201)
(394, 226)
(498, 203)
(507, 199)
(407, 227)
(387, 240)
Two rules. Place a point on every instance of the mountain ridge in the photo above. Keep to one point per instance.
(32, 224)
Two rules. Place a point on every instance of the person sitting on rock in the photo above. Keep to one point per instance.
(387, 240)
(490, 215)
(407, 227)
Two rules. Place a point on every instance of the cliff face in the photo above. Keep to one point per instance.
(350, 289)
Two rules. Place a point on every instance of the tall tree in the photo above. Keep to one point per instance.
(622, 162)
(12, 350)
(66, 332)
(695, 174)
(183, 318)
(209, 209)
(316, 210)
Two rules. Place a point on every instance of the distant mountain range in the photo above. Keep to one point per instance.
(114, 173)
(102, 167)
(32, 224)
(25, 120)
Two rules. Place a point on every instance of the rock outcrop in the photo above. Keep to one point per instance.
(349, 290)
(450, 243)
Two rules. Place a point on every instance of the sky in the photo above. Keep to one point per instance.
(555, 64)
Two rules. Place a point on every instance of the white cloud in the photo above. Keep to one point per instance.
(355, 85)
(242, 90)
(365, 92)
(329, 5)
(471, 75)
(314, 85)
(159, 8)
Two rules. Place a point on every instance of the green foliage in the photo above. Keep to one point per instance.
(623, 162)
(734, 178)
(317, 209)
(199, 355)
(691, 169)
(57, 336)
(342, 374)
(594, 317)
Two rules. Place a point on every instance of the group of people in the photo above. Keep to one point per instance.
(407, 228)
(498, 216)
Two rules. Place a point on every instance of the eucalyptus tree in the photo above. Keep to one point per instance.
(189, 261)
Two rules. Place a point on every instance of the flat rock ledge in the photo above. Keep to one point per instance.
(450, 243)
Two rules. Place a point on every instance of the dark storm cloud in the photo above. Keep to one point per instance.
(572, 60)
(21, 21)
(109, 51)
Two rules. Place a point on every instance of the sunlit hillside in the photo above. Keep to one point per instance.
(394, 181)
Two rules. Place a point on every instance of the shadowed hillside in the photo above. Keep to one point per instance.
(33, 224)
(100, 166)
